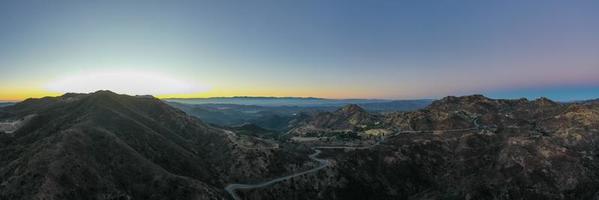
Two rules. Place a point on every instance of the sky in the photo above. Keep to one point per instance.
(313, 48)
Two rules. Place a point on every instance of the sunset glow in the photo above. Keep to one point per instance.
(125, 82)
(390, 50)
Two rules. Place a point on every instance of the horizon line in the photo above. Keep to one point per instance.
(299, 97)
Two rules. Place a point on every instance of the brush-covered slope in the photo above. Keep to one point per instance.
(536, 149)
(460, 112)
(108, 146)
(345, 119)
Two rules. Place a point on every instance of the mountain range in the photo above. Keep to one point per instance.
(104, 145)
(277, 114)
(294, 102)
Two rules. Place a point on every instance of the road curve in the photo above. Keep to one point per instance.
(322, 164)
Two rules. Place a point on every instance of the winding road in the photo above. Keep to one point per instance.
(325, 163)
(322, 164)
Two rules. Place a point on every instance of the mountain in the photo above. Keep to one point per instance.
(481, 148)
(377, 105)
(459, 112)
(108, 146)
(447, 113)
(348, 119)
(592, 101)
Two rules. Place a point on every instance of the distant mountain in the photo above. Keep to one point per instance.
(592, 101)
(108, 146)
(273, 118)
(369, 104)
(4, 104)
(396, 105)
(277, 113)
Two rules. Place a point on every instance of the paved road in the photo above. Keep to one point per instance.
(322, 164)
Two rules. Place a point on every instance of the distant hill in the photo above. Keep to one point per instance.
(343, 120)
(369, 104)
(276, 113)
(4, 104)
(273, 118)
(592, 101)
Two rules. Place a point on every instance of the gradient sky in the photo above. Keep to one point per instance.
(322, 48)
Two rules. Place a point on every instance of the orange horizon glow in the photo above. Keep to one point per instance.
(17, 95)
(390, 50)
(20, 94)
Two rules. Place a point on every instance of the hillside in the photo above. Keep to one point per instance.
(481, 149)
(348, 119)
(108, 146)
